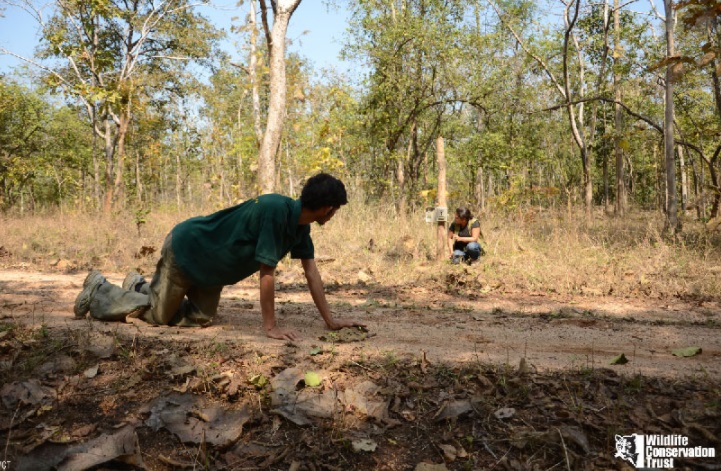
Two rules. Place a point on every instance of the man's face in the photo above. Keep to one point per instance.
(327, 214)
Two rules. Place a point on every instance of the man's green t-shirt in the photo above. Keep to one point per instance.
(228, 246)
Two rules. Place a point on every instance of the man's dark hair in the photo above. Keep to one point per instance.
(464, 213)
(323, 190)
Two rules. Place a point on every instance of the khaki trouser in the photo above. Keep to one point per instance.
(169, 299)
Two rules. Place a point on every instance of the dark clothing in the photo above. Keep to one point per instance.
(229, 245)
(203, 254)
(463, 232)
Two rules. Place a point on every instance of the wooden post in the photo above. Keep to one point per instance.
(442, 233)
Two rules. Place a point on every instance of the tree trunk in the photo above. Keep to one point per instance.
(684, 178)
(119, 185)
(276, 107)
(620, 206)
(177, 180)
(109, 169)
(606, 192)
(138, 180)
(96, 168)
(671, 210)
(480, 196)
(253, 73)
(402, 200)
(400, 175)
(659, 181)
(577, 123)
(703, 191)
(441, 233)
(697, 190)
(490, 189)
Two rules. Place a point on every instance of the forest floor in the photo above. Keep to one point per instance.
(445, 378)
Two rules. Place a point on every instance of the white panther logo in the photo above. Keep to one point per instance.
(626, 448)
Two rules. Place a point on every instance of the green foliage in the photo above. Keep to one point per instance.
(433, 68)
(41, 148)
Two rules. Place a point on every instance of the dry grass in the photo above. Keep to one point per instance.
(538, 251)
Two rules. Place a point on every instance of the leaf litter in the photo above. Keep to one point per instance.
(169, 405)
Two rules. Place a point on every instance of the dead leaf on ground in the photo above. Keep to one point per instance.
(361, 399)
(85, 430)
(452, 410)
(284, 385)
(449, 452)
(101, 346)
(59, 364)
(577, 436)
(91, 372)
(120, 446)
(182, 370)
(29, 392)
(192, 421)
(364, 444)
(298, 406)
(505, 413)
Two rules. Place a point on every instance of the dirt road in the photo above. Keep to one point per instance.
(497, 327)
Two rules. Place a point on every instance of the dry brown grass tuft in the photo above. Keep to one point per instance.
(541, 251)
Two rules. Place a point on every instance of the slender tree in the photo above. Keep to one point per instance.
(669, 143)
(282, 11)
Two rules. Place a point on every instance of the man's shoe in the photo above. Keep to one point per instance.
(90, 277)
(90, 287)
(132, 280)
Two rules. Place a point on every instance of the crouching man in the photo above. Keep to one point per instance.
(203, 254)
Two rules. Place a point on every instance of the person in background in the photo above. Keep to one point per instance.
(464, 235)
(203, 254)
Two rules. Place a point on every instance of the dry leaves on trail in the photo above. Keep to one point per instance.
(193, 403)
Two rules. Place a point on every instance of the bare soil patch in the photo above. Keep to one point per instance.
(449, 373)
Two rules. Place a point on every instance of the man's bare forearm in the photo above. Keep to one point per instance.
(267, 296)
(315, 286)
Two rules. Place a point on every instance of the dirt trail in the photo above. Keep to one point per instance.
(551, 333)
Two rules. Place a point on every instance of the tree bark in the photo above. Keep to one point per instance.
(620, 207)
(253, 72)
(401, 176)
(138, 179)
(606, 192)
(684, 178)
(119, 185)
(109, 167)
(577, 123)
(671, 209)
(441, 233)
(480, 193)
(282, 11)
(178, 181)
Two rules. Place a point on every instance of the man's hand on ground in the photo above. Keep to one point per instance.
(338, 324)
(282, 334)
